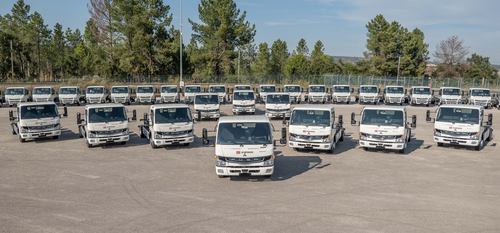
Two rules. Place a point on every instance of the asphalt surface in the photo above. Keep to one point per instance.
(62, 186)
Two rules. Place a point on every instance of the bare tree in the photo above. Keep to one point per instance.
(450, 56)
(100, 12)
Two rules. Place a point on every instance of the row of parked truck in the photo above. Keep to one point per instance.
(244, 145)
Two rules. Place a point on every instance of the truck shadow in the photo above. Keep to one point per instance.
(412, 146)
(349, 143)
(65, 136)
(472, 148)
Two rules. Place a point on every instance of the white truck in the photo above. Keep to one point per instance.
(242, 88)
(16, 95)
(449, 95)
(169, 94)
(104, 123)
(420, 95)
(316, 94)
(384, 127)
(394, 95)
(145, 94)
(263, 90)
(220, 90)
(36, 120)
(461, 124)
(206, 106)
(44, 94)
(367, 94)
(96, 95)
(168, 124)
(479, 96)
(244, 146)
(278, 105)
(341, 94)
(120, 95)
(295, 93)
(243, 102)
(315, 127)
(70, 95)
(189, 93)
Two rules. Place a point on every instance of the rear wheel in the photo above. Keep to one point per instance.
(22, 139)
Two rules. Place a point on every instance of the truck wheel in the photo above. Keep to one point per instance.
(55, 137)
(12, 128)
(330, 151)
(10, 105)
(128, 102)
(89, 145)
(152, 142)
(365, 148)
(221, 176)
(123, 143)
(359, 102)
(490, 136)
(347, 102)
(427, 105)
(299, 102)
(22, 139)
(63, 104)
(78, 103)
(323, 102)
(401, 104)
(186, 144)
(267, 176)
(375, 103)
(141, 133)
(480, 146)
(402, 151)
(439, 144)
(341, 139)
(295, 149)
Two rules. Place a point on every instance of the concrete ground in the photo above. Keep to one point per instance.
(62, 186)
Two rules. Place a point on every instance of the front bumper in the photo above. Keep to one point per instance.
(40, 134)
(450, 101)
(68, 100)
(207, 115)
(169, 99)
(382, 145)
(394, 100)
(121, 100)
(173, 140)
(95, 100)
(243, 109)
(341, 99)
(484, 103)
(456, 141)
(42, 100)
(367, 99)
(14, 101)
(272, 114)
(317, 99)
(310, 145)
(147, 99)
(247, 169)
(110, 139)
(421, 101)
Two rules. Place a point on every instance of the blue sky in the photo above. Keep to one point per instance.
(339, 24)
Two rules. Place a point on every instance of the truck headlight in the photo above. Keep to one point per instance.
(362, 136)
(125, 131)
(219, 162)
(157, 136)
(437, 132)
(190, 134)
(327, 139)
(400, 139)
(58, 126)
(91, 135)
(24, 130)
(474, 136)
(269, 162)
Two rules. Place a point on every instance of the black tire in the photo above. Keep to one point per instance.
(341, 139)
(330, 151)
(253, 113)
(88, 144)
(480, 146)
(186, 144)
(295, 149)
(374, 103)
(267, 176)
(78, 103)
(347, 102)
(22, 140)
(128, 102)
(80, 132)
(490, 136)
(152, 143)
(365, 148)
(13, 131)
(401, 104)
(439, 144)
(402, 151)
(123, 143)
(141, 133)
(299, 102)
(221, 176)
(409, 136)
(63, 104)
(55, 137)
(427, 105)
(323, 102)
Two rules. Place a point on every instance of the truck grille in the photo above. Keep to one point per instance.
(245, 160)
(143, 99)
(14, 101)
(421, 100)
(317, 98)
(341, 99)
(213, 110)
(174, 133)
(277, 110)
(41, 127)
(94, 100)
(120, 99)
(395, 99)
(481, 102)
(243, 106)
(40, 99)
(168, 98)
(67, 100)
(449, 101)
(110, 131)
(367, 99)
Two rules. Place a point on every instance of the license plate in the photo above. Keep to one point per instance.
(110, 140)
(308, 145)
(41, 135)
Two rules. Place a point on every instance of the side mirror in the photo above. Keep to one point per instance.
(352, 90)
(353, 118)
(65, 113)
(199, 115)
(414, 121)
(204, 134)
(428, 116)
(78, 118)
(284, 120)
(229, 98)
(463, 93)
(406, 91)
(432, 92)
(11, 115)
(145, 119)
(341, 119)
(283, 136)
(490, 119)
(134, 115)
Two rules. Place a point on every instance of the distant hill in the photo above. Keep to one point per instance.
(496, 66)
(347, 59)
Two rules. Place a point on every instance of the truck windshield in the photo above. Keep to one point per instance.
(244, 133)
(267, 89)
(41, 91)
(67, 90)
(145, 90)
(481, 93)
(422, 91)
(206, 99)
(342, 89)
(95, 90)
(169, 89)
(193, 89)
(39, 111)
(243, 95)
(459, 115)
(368, 90)
(172, 115)
(14, 91)
(310, 117)
(97, 115)
(317, 89)
(451, 91)
(217, 89)
(382, 117)
(278, 99)
(395, 90)
(119, 90)
(292, 89)
(242, 88)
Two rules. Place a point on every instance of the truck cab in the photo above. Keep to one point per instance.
(295, 93)
(16, 95)
(96, 95)
(104, 123)
(278, 105)
(243, 102)
(168, 124)
(315, 127)
(190, 91)
(169, 94)
(449, 95)
(242, 87)
(206, 106)
(120, 94)
(368, 94)
(263, 90)
(244, 146)
(70, 95)
(420, 95)
(341, 94)
(220, 90)
(36, 120)
(479, 96)
(384, 127)
(461, 124)
(316, 94)
(44, 94)
(394, 95)
(145, 94)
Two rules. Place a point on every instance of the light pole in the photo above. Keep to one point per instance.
(181, 84)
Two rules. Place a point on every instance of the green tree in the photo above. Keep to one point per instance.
(279, 55)
(40, 34)
(263, 64)
(480, 67)
(302, 47)
(298, 64)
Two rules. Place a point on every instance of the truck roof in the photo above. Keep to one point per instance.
(278, 93)
(171, 85)
(270, 85)
(95, 86)
(420, 87)
(120, 86)
(145, 86)
(341, 85)
(193, 85)
(16, 87)
(314, 107)
(69, 87)
(477, 88)
(316, 85)
(393, 86)
(461, 106)
(158, 106)
(217, 86)
(241, 85)
(242, 91)
(108, 105)
(206, 93)
(367, 85)
(398, 108)
(242, 119)
(35, 103)
(292, 85)
(449, 88)
(43, 87)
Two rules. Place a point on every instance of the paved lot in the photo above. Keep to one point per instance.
(63, 186)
